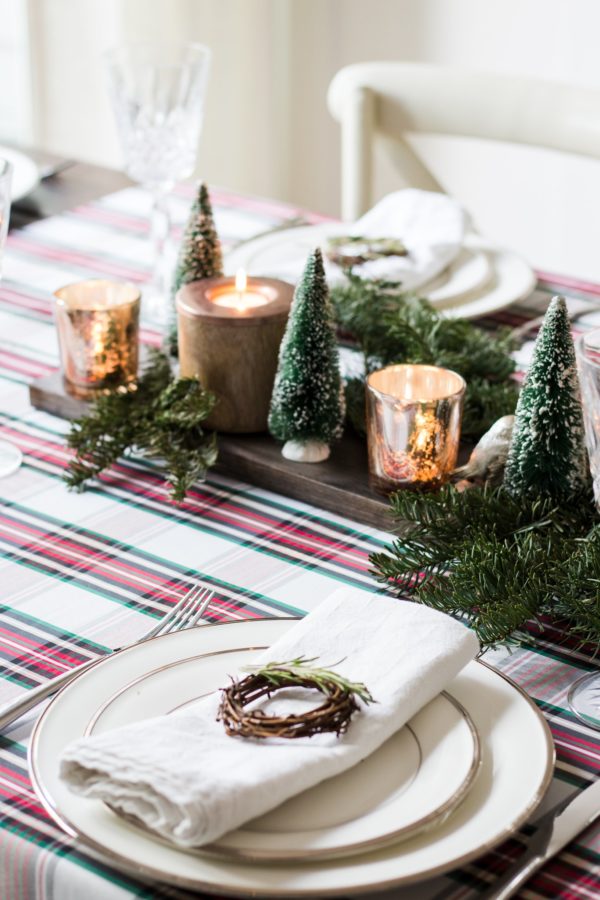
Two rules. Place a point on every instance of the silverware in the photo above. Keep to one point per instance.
(553, 832)
(50, 169)
(185, 614)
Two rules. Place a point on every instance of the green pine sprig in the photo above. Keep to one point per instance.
(392, 326)
(578, 587)
(281, 674)
(162, 418)
(496, 561)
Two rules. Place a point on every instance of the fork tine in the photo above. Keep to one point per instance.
(203, 606)
(175, 621)
(192, 613)
(168, 617)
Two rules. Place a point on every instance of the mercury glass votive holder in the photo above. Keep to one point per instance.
(413, 426)
(98, 334)
(588, 359)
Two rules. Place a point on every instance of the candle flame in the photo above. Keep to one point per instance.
(241, 281)
(98, 337)
(425, 430)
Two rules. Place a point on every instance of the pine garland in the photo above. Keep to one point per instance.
(578, 587)
(161, 418)
(393, 327)
(501, 557)
(496, 560)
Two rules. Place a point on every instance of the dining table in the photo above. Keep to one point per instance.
(81, 573)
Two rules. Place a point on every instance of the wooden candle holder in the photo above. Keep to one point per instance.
(233, 351)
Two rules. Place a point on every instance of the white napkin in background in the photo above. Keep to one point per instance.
(431, 226)
(187, 780)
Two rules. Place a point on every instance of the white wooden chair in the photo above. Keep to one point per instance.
(386, 101)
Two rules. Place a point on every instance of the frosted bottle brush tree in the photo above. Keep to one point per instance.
(199, 253)
(307, 406)
(547, 456)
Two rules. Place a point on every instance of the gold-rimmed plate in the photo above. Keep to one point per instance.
(412, 782)
(516, 767)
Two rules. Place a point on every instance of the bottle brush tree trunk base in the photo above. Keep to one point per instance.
(306, 451)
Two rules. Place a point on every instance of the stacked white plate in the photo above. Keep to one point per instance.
(26, 174)
(482, 279)
(463, 775)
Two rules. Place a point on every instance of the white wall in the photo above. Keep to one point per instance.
(267, 127)
(245, 123)
(16, 112)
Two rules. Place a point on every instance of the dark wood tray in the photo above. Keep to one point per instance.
(339, 485)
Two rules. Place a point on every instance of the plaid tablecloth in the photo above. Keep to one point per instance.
(80, 573)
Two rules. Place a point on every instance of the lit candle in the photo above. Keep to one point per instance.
(413, 426)
(241, 299)
(97, 324)
(229, 332)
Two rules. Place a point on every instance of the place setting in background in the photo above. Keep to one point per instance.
(26, 174)
(422, 239)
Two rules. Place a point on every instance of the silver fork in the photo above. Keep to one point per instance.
(185, 614)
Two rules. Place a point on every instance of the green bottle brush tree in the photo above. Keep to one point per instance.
(307, 406)
(199, 255)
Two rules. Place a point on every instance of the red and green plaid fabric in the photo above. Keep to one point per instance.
(80, 573)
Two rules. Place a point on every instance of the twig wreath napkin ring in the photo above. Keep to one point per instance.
(334, 714)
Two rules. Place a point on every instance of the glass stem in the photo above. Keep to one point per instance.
(160, 228)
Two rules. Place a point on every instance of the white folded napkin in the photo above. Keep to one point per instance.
(431, 226)
(183, 777)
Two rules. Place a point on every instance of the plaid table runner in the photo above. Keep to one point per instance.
(81, 573)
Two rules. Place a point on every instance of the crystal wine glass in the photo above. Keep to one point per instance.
(10, 456)
(584, 695)
(157, 92)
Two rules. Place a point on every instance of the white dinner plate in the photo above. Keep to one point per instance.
(483, 279)
(516, 768)
(470, 272)
(25, 174)
(412, 782)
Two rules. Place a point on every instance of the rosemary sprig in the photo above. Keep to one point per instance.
(280, 674)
